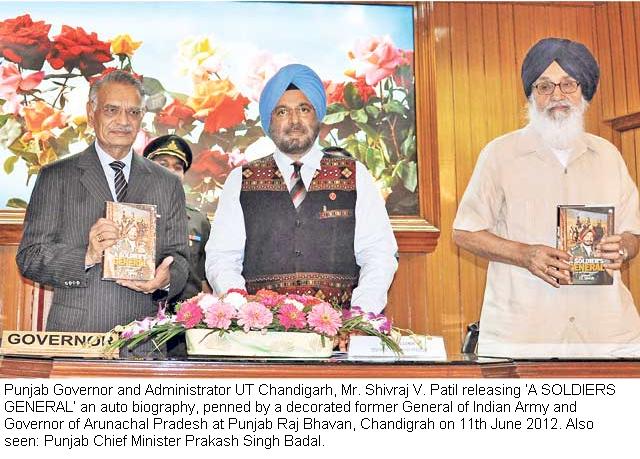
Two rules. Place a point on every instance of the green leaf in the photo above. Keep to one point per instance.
(335, 108)
(29, 157)
(359, 116)
(351, 96)
(3, 119)
(17, 203)
(393, 106)
(372, 110)
(409, 174)
(179, 96)
(346, 129)
(334, 118)
(9, 163)
(408, 147)
(152, 86)
(369, 131)
(375, 161)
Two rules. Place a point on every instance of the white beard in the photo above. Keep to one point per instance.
(559, 131)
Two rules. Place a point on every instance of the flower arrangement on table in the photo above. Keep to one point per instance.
(266, 311)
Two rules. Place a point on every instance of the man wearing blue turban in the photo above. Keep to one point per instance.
(508, 214)
(301, 220)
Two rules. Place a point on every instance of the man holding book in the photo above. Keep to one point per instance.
(66, 234)
(508, 214)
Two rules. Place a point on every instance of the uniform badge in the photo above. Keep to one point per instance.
(332, 196)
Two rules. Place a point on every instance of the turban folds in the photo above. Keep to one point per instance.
(305, 79)
(573, 57)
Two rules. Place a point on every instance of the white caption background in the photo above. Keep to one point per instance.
(318, 417)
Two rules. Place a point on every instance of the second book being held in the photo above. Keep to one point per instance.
(580, 229)
(133, 257)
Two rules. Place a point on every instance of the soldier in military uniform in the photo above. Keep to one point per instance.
(173, 153)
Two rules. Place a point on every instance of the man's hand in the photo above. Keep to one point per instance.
(549, 264)
(102, 235)
(610, 248)
(161, 279)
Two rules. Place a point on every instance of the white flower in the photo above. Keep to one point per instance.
(9, 132)
(236, 300)
(206, 301)
(166, 320)
(299, 306)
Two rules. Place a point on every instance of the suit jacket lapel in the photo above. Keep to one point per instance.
(92, 176)
(139, 180)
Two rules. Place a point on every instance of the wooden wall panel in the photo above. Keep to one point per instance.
(621, 42)
(478, 50)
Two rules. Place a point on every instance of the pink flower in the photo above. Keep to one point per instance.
(324, 319)
(299, 305)
(254, 315)
(262, 67)
(291, 317)
(206, 301)
(271, 301)
(355, 311)
(189, 314)
(137, 327)
(142, 140)
(219, 315)
(379, 322)
(12, 83)
(377, 58)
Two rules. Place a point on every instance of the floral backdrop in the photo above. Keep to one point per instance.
(45, 72)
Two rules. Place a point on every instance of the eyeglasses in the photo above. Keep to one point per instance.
(111, 111)
(546, 88)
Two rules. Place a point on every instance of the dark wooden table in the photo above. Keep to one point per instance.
(461, 366)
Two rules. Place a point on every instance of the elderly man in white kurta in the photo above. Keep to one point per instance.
(508, 215)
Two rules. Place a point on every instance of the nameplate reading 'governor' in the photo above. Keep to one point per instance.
(59, 344)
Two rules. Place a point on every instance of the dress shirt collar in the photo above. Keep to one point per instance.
(310, 161)
(310, 164)
(533, 143)
(106, 159)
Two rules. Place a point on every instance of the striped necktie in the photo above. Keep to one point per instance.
(120, 182)
(298, 191)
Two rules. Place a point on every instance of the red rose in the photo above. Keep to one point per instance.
(74, 48)
(228, 113)
(175, 115)
(25, 42)
(364, 89)
(211, 163)
(335, 92)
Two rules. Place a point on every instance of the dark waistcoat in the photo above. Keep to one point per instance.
(308, 251)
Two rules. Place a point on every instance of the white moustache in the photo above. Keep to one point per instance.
(559, 104)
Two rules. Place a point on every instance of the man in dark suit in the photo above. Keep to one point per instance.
(65, 233)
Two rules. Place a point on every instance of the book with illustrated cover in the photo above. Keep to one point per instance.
(133, 257)
(580, 229)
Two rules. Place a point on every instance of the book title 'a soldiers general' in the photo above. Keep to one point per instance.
(580, 229)
(133, 256)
